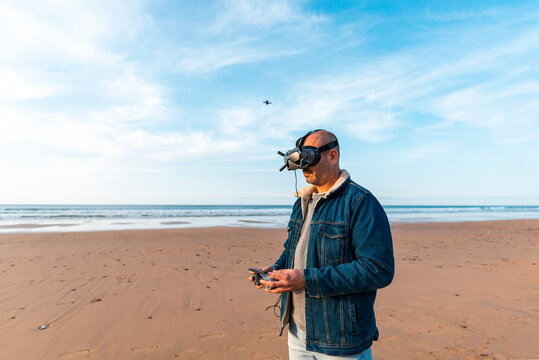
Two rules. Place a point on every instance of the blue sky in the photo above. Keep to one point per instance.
(160, 102)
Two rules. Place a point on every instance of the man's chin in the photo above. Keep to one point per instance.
(308, 178)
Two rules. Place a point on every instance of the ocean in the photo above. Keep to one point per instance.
(39, 218)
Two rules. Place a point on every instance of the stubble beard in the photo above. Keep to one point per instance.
(318, 177)
(312, 178)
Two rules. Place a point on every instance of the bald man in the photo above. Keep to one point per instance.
(338, 253)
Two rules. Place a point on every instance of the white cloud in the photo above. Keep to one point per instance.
(372, 126)
(102, 111)
(178, 147)
(481, 80)
(501, 108)
(131, 98)
(233, 121)
(245, 32)
(208, 58)
(18, 86)
(63, 32)
(489, 86)
(263, 13)
(420, 152)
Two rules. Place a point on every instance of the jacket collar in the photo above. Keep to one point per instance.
(306, 193)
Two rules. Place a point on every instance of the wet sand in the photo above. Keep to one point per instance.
(462, 291)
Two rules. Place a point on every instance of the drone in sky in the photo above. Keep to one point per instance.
(267, 102)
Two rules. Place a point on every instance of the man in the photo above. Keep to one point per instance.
(338, 253)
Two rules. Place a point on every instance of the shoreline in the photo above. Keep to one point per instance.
(37, 228)
(461, 291)
(59, 218)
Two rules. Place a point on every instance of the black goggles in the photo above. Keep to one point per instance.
(302, 157)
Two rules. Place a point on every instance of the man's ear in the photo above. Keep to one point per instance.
(333, 156)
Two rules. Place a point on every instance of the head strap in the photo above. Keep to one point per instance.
(301, 140)
(328, 146)
(321, 149)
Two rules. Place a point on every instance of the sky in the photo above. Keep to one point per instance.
(161, 102)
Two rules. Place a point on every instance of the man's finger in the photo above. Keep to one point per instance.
(271, 283)
(277, 274)
(277, 290)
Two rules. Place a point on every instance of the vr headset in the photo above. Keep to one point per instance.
(301, 156)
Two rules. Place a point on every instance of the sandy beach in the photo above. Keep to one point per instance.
(461, 291)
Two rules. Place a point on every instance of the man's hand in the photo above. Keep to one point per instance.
(264, 269)
(287, 280)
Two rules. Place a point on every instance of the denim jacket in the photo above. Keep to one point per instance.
(349, 256)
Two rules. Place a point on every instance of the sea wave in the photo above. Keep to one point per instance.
(401, 213)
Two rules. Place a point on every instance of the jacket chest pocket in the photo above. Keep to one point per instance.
(332, 244)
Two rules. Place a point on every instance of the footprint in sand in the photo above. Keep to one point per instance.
(146, 348)
(438, 330)
(211, 336)
(265, 356)
(76, 354)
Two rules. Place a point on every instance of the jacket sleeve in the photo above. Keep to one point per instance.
(281, 263)
(373, 267)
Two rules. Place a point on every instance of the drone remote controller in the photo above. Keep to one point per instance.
(260, 275)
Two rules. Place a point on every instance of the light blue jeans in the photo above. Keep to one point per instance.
(297, 350)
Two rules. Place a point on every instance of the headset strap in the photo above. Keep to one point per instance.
(301, 140)
(328, 146)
